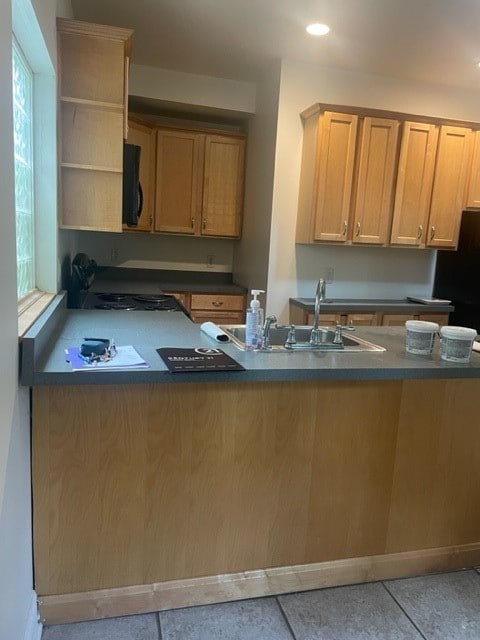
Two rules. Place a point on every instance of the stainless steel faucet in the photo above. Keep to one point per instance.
(269, 320)
(320, 296)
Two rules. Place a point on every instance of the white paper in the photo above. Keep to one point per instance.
(126, 358)
(213, 331)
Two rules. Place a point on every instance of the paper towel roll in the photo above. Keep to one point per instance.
(214, 331)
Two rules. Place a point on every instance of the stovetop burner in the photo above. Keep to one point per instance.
(112, 297)
(152, 298)
(115, 306)
(132, 302)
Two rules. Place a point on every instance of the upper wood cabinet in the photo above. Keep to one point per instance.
(473, 194)
(376, 172)
(449, 186)
(327, 176)
(93, 89)
(414, 183)
(431, 187)
(362, 182)
(199, 183)
(144, 135)
(347, 178)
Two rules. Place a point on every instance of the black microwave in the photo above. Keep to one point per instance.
(132, 189)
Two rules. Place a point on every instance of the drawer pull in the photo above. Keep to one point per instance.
(217, 303)
(358, 228)
(432, 233)
(420, 231)
(345, 227)
(193, 223)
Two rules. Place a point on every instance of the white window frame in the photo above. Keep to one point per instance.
(27, 32)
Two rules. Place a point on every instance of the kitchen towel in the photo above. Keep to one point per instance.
(213, 331)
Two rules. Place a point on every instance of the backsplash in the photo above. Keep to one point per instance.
(146, 251)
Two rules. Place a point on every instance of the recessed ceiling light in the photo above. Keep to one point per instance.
(318, 29)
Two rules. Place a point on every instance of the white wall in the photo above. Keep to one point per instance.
(294, 269)
(250, 265)
(17, 603)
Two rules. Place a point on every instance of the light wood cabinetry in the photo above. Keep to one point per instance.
(449, 186)
(301, 316)
(326, 179)
(199, 183)
(414, 184)
(217, 308)
(431, 188)
(473, 195)
(93, 89)
(138, 485)
(361, 184)
(374, 189)
(143, 135)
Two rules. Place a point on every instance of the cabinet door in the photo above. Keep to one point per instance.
(326, 319)
(362, 319)
(223, 186)
(144, 136)
(396, 319)
(217, 308)
(336, 157)
(374, 195)
(414, 183)
(449, 188)
(179, 173)
(473, 196)
(92, 62)
(440, 318)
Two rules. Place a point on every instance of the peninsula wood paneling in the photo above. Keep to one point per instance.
(142, 484)
(436, 484)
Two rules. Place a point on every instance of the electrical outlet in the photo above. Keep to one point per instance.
(210, 260)
(330, 274)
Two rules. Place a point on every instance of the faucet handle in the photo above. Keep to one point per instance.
(338, 338)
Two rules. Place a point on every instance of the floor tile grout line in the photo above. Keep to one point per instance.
(284, 616)
(422, 635)
(159, 625)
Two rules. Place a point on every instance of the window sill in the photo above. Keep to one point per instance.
(30, 308)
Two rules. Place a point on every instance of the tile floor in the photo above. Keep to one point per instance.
(433, 607)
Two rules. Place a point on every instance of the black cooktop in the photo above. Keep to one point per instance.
(132, 302)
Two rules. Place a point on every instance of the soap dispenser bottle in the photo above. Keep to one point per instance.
(254, 322)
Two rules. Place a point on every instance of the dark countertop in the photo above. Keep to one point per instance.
(367, 305)
(144, 281)
(43, 352)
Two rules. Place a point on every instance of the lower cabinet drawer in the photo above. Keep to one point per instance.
(217, 302)
(219, 317)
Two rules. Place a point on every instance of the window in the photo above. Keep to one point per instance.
(23, 149)
(34, 102)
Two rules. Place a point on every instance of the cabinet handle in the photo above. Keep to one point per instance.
(420, 231)
(204, 224)
(193, 223)
(358, 229)
(217, 303)
(345, 227)
(432, 233)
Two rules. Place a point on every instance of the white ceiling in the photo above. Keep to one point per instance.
(435, 41)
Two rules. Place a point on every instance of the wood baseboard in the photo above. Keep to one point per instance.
(174, 594)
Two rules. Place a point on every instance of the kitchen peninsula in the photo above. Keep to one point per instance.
(155, 490)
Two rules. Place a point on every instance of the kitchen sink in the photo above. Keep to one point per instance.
(279, 339)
